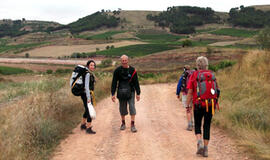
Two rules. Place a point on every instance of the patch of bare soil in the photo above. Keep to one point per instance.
(67, 50)
(161, 135)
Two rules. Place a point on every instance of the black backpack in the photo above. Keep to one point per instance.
(77, 80)
(186, 75)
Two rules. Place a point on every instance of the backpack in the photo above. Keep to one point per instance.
(186, 75)
(77, 80)
(207, 90)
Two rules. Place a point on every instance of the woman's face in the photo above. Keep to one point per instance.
(92, 66)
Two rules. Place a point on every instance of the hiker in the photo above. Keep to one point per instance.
(182, 87)
(203, 89)
(125, 79)
(87, 95)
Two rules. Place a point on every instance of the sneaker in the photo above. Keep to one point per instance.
(83, 126)
(133, 129)
(200, 148)
(90, 131)
(123, 126)
(189, 128)
(205, 152)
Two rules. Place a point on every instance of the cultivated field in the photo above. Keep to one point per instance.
(59, 51)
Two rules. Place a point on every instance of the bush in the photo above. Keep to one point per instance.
(27, 55)
(186, 43)
(221, 65)
(49, 71)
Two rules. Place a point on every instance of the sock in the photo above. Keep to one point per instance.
(123, 122)
(199, 141)
(190, 123)
(132, 123)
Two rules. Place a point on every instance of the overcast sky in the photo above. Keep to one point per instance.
(67, 11)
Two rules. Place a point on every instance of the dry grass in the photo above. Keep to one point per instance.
(245, 104)
(32, 127)
(262, 7)
(137, 19)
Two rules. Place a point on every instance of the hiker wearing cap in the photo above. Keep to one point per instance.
(203, 90)
(88, 96)
(182, 87)
(125, 80)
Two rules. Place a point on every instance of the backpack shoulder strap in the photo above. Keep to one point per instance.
(132, 75)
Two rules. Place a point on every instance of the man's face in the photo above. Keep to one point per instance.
(124, 62)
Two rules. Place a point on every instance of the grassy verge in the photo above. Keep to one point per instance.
(235, 32)
(32, 127)
(245, 104)
(12, 90)
(11, 70)
(136, 50)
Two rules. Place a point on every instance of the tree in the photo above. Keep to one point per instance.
(27, 55)
(263, 39)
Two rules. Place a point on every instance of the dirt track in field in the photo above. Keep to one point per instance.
(161, 135)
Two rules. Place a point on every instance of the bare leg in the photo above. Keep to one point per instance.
(132, 118)
(123, 118)
(83, 121)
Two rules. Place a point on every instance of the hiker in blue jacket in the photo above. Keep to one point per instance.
(181, 86)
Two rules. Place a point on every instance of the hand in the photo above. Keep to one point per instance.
(89, 101)
(138, 97)
(113, 98)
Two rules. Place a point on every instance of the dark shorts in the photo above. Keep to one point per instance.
(131, 103)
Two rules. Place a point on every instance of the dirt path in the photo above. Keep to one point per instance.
(161, 133)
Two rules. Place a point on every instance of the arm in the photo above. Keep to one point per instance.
(137, 85)
(178, 89)
(190, 87)
(189, 96)
(86, 86)
(114, 85)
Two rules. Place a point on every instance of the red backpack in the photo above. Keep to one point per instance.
(207, 90)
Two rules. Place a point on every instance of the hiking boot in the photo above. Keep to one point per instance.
(123, 126)
(200, 148)
(205, 151)
(133, 129)
(83, 126)
(90, 131)
(189, 128)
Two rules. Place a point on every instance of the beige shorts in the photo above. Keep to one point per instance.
(184, 101)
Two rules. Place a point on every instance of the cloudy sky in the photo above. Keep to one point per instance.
(67, 11)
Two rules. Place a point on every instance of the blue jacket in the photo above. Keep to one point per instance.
(178, 89)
